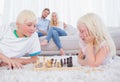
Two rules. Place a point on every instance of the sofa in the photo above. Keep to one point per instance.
(115, 33)
(70, 43)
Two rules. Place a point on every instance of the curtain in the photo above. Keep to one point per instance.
(69, 11)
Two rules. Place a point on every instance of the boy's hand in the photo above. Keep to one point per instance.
(34, 59)
(7, 61)
(11, 63)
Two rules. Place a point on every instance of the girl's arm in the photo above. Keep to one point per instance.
(81, 58)
(93, 59)
(98, 58)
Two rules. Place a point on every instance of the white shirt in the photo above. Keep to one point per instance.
(11, 46)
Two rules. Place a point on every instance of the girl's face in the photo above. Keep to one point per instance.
(27, 29)
(54, 17)
(85, 35)
(83, 31)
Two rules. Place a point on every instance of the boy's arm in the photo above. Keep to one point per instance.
(28, 60)
(35, 50)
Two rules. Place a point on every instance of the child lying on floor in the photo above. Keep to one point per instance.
(97, 46)
(19, 41)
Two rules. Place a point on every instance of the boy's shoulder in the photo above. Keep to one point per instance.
(34, 35)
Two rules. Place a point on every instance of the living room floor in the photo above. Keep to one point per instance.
(105, 73)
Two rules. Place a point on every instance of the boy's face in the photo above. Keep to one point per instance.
(27, 29)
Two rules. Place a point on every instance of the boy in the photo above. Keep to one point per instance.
(20, 41)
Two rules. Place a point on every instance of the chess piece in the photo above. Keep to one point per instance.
(61, 62)
(44, 62)
(55, 62)
(69, 62)
(40, 65)
(48, 64)
(52, 61)
(64, 61)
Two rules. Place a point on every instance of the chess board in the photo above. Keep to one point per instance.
(56, 63)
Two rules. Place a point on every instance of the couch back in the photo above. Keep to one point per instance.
(115, 33)
(71, 30)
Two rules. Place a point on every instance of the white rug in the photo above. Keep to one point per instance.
(106, 73)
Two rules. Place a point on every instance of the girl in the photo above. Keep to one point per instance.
(97, 46)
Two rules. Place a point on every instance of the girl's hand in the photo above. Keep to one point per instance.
(87, 37)
(80, 55)
(65, 25)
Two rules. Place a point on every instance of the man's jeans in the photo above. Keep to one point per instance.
(40, 34)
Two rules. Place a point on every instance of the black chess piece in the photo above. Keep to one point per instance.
(61, 62)
(55, 62)
(77, 54)
(52, 61)
(65, 63)
(69, 62)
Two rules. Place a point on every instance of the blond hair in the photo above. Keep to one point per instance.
(97, 28)
(25, 15)
(52, 22)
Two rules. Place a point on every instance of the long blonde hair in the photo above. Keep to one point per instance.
(56, 22)
(97, 28)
